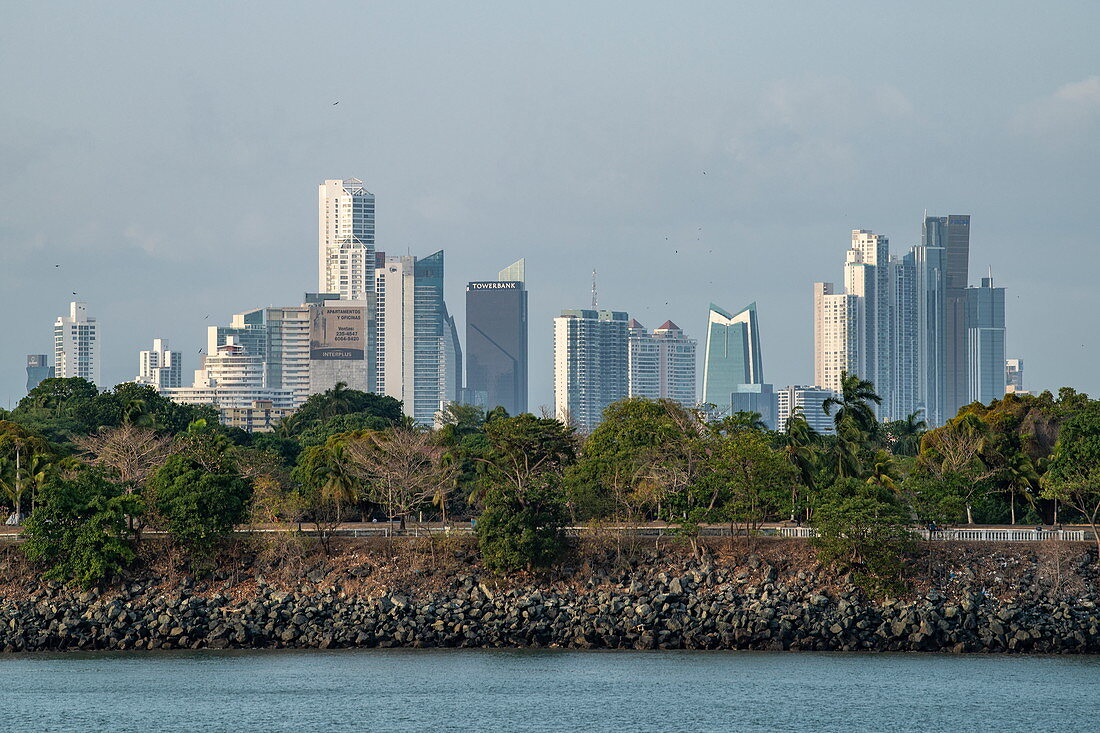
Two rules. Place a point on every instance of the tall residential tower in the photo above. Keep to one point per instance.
(590, 364)
(76, 345)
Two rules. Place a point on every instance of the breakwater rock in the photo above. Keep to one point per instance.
(752, 602)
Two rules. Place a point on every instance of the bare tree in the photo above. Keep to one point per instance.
(402, 469)
(131, 452)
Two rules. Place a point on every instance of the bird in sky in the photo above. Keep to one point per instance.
(57, 265)
(704, 173)
(74, 292)
(336, 103)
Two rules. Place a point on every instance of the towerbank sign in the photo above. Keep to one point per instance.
(493, 285)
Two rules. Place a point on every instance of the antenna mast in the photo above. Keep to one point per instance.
(595, 295)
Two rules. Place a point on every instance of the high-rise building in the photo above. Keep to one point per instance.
(985, 319)
(496, 341)
(952, 233)
(758, 398)
(418, 358)
(661, 363)
(76, 345)
(1014, 376)
(733, 354)
(867, 275)
(922, 333)
(160, 367)
(836, 335)
(345, 217)
(231, 377)
(38, 368)
(810, 401)
(591, 357)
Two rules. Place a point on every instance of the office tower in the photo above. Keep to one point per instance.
(496, 341)
(339, 348)
(414, 335)
(160, 367)
(836, 335)
(76, 345)
(810, 400)
(591, 357)
(758, 398)
(1014, 376)
(985, 318)
(867, 275)
(952, 233)
(733, 354)
(450, 371)
(925, 332)
(38, 368)
(661, 363)
(345, 217)
(903, 400)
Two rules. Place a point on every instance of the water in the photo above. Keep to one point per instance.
(546, 690)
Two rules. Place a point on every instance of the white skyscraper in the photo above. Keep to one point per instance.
(662, 363)
(76, 345)
(591, 367)
(159, 367)
(836, 335)
(345, 216)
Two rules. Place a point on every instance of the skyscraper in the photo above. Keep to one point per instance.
(590, 364)
(496, 341)
(836, 335)
(38, 368)
(76, 345)
(1014, 376)
(985, 318)
(733, 354)
(661, 363)
(417, 354)
(345, 251)
(867, 275)
(952, 233)
(810, 401)
(160, 367)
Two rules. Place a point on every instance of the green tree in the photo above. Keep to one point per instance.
(18, 447)
(327, 474)
(78, 529)
(800, 445)
(199, 504)
(525, 530)
(1019, 478)
(339, 400)
(862, 529)
(748, 479)
(854, 420)
(903, 436)
(1074, 473)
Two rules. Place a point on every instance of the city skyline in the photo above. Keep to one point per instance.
(756, 181)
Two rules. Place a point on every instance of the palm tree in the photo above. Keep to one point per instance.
(1020, 476)
(854, 420)
(799, 445)
(884, 471)
(337, 400)
(340, 486)
(910, 430)
(136, 413)
(854, 402)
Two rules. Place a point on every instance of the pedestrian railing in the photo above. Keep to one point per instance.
(971, 535)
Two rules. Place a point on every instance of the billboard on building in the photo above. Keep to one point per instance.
(337, 334)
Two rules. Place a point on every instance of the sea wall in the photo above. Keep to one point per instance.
(1015, 599)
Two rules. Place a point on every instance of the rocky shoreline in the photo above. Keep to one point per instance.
(747, 602)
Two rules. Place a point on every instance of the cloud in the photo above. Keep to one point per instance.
(1067, 118)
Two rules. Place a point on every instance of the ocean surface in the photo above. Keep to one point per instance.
(422, 690)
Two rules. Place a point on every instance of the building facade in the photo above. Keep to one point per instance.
(345, 240)
(38, 369)
(418, 356)
(985, 319)
(733, 354)
(758, 398)
(591, 355)
(160, 367)
(661, 363)
(807, 400)
(952, 234)
(496, 341)
(837, 336)
(1014, 377)
(231, 377)
(76, 347)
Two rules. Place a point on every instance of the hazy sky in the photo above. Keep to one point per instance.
(168, 159)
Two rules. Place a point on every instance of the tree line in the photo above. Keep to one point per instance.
(95, 470)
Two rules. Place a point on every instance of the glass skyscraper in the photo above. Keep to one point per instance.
(496, 341)
(733, 354)
(985, 317)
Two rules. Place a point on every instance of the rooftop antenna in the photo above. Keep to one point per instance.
(595, 295)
